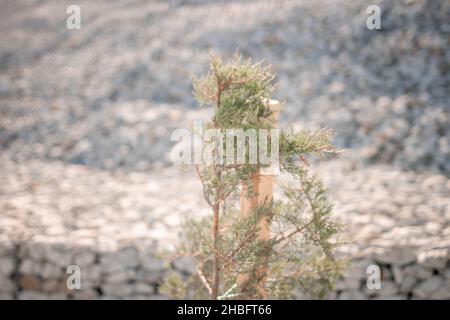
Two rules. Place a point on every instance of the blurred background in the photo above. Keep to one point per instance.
(86, 117)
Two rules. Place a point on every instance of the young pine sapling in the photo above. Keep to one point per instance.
(266, 248)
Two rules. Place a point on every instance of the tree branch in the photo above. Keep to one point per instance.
(297, 230)
(203, 279)
(203, 185)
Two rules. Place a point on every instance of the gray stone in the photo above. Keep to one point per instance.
(143, 288)
(7, 246)
(120, 290)
(352, 295)
(92, 272)
(51, 271)
(428, 287)
(442, 293)
(7, 285)
(417, 271)
(348, 283)
(36, 250)
(85, 259)
(125, 258)
(91, 283)
(407, 284)
(32, 295)
(6, 296)
(447, 273)
(30, 267)
(85, 294)
(185, 264)
(7, 265)
(57, 296)
(120, 276)
(150, 276)
(436, 259)
(58, 255)
(152, 264)
(396, 255)
(388, 289)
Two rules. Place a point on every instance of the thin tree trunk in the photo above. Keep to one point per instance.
(215, 232)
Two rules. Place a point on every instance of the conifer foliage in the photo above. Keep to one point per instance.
(297, 258)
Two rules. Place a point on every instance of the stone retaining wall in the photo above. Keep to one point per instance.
(407, 272)
(37, 270)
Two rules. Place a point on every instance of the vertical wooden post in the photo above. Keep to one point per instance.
(262, 183)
